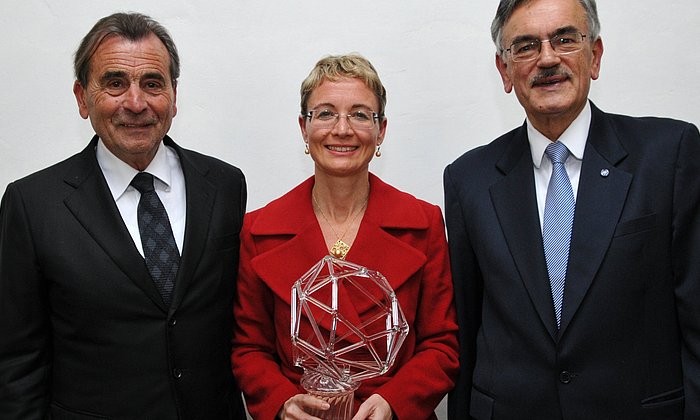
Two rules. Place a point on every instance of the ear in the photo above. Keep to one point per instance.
(302, 125)
(597, 50)
(174, 101)
(80, 93)
(382, 132)
(502, 67)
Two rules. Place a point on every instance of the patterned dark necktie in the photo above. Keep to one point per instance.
(159, 247)
(558, 221)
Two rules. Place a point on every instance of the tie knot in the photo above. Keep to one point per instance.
(557, 152)
(143, 181)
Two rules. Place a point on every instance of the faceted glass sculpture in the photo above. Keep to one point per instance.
(347, 325)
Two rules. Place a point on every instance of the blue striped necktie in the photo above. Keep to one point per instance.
(558, 220)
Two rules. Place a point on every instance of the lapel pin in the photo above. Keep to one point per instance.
(604, 172)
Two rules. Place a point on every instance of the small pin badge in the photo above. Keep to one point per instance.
(604, 172)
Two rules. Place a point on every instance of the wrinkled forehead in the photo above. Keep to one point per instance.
(118, 54)
(545, 18)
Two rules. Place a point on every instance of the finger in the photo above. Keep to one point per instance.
(363, 412)
(297, 407)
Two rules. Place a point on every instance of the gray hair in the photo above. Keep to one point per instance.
(131, 26)
(507, 7)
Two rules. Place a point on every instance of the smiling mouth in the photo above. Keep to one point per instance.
(143, 125)
(342, 148)
(549, 81)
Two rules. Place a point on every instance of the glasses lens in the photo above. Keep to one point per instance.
(567, 43)
(362, 119)
(525, 50)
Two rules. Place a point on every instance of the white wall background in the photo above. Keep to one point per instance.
(243, 62)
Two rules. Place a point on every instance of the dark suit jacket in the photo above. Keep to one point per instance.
(84, 332)
(401, 237)
(629, 342)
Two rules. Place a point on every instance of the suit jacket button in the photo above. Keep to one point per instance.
(173, 322)
(177, 373)
(565, 377)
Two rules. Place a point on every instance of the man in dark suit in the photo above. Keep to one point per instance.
(577, 276)
(110, 308)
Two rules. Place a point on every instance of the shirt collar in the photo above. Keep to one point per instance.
(119, 174)
(574, 137)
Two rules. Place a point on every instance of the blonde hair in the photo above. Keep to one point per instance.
(333, 67)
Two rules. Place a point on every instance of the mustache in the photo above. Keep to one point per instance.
(549, 72)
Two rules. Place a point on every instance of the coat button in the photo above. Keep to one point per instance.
(565, 377)
(177, 373)
(172, 322)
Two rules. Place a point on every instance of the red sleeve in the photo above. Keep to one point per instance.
(253, 357)
(421, 383)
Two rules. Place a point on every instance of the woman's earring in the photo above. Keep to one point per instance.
(378, 153)
(306, 148)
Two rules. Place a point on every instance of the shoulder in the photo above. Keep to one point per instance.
(647, 124)
(648, 130)
(213, 165)
(52, 178)
(390, 207)
(478, 159)
(284, 215)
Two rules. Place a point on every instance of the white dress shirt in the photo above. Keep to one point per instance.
(168, 181)
(574, 138)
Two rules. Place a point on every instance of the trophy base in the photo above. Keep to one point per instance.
(341, 405)
(339, 394)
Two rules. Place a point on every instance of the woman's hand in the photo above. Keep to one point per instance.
(295, 407)
(374, 408)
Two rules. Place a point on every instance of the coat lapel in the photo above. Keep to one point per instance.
(515, 202)
(93, 206)
(601, 197)
(289, 227)
(200, 203)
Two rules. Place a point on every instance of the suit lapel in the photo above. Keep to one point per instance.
(601, 197)
(200, 203)
(93, 206)
(514, 200)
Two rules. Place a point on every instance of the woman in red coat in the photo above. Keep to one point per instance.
(348, 212)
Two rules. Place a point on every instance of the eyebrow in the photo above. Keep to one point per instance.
(121, 75)
(560, 31)
(329, 105)
(113, 75)
(154, 76)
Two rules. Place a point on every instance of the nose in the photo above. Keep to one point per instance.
(134, 99)
(548, 56)
(342, 125)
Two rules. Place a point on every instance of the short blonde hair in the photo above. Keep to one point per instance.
(333, 67)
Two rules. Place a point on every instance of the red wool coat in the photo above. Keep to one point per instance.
(401, 237)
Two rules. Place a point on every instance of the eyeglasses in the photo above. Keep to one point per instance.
(361, 119)
(562, 44)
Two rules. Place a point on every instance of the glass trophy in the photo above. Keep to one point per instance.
(347, 326)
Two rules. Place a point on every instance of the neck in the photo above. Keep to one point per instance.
(553, 126)
(340, 197)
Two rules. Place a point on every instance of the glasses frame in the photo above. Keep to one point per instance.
(539, 42)
(375, 118)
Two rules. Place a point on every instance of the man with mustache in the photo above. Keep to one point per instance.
(118, 265)
(574, 242)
